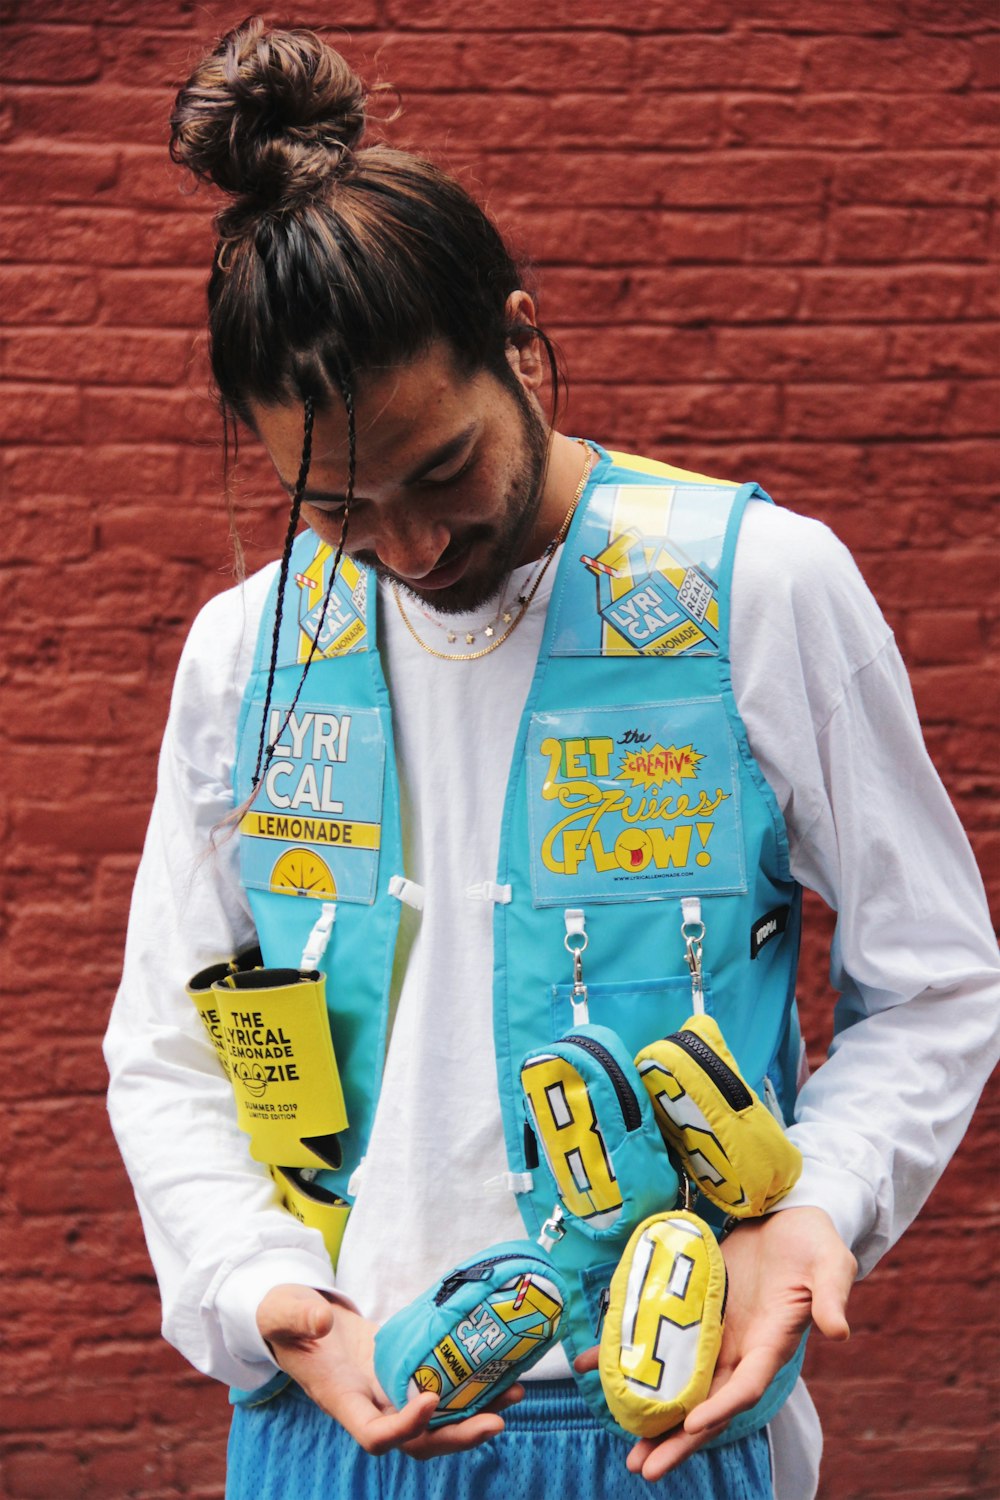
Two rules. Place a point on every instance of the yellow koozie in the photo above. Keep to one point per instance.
(199, 989)
(284, 1074)
(313, 1205)
(729, 1143)
(663, 1329)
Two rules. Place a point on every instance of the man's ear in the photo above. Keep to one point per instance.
(523, 348)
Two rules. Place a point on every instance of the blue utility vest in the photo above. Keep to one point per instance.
(632, 789)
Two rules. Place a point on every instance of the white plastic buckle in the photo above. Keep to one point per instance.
(488, 890)
(319, 937)
(509, 1182)
(407, 891)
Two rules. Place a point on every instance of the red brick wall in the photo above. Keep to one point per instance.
(764, 237)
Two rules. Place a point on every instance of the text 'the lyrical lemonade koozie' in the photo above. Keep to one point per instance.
(729, 1143)
(663, 1329)
(475, 1332)
(201, 993)
(289, 1098)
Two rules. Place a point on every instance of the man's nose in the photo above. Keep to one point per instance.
(410, 546)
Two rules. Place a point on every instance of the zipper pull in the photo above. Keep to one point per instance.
(693, 933)
(451, 1283)
(575, 930)
(602, 1310)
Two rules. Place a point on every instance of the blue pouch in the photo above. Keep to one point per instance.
(598, 1140)
(475, 1332)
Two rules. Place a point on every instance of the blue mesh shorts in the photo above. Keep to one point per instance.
(550, 1449)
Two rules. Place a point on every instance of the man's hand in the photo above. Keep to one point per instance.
(328, 1349)
(784, 1271)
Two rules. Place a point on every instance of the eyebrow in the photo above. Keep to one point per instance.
(427, 465)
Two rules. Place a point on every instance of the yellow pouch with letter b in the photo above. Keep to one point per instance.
(289, 1098)
(729, 1143)
(663, 1328)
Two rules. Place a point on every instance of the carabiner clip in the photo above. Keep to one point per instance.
(693, 933)
(578, 995)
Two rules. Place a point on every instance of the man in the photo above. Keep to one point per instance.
(506, 677)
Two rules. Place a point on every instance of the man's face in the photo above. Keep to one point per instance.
(449, 477)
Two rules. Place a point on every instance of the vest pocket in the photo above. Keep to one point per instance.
(640, 1012)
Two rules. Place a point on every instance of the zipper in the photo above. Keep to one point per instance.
(478, 1272)
(631, 1113)
(602, 1310)
(730, 1085)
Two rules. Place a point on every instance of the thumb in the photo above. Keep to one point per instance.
(289, 1314)
(831, 1289)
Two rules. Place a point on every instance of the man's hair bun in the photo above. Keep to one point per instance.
(268, 115)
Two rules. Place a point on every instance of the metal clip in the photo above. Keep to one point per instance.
(693, 933)
(578, 995)
(553, 1229)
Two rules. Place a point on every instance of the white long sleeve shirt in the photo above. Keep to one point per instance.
(829, 717)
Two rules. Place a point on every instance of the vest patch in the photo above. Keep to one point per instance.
(650, 555)
(315, 826)
(628, 804)
(342, 628)
(769, 926)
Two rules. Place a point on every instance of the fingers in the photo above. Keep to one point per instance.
(745, 1386)
(456, 1437)
(377, 1431)
(588, 1360)
(654, 1457)
(510, 1397)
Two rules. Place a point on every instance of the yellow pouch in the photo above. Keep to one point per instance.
(663, 1329)
(729, 1143)
(200, 992)
(284, 1074)
(313, 1205)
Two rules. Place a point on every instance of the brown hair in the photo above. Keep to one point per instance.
(333, 257)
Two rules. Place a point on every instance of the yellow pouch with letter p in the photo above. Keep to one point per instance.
(663, 1328)
(289, 1098)
(729, 1143)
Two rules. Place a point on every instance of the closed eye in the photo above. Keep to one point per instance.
(439, 480)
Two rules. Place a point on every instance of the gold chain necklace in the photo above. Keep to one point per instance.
(525, 601)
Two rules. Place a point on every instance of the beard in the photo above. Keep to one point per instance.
(507, 537)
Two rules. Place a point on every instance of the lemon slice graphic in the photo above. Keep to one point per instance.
(301, 872)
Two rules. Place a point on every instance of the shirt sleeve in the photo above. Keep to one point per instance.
(830, 716)
(218, 1238)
